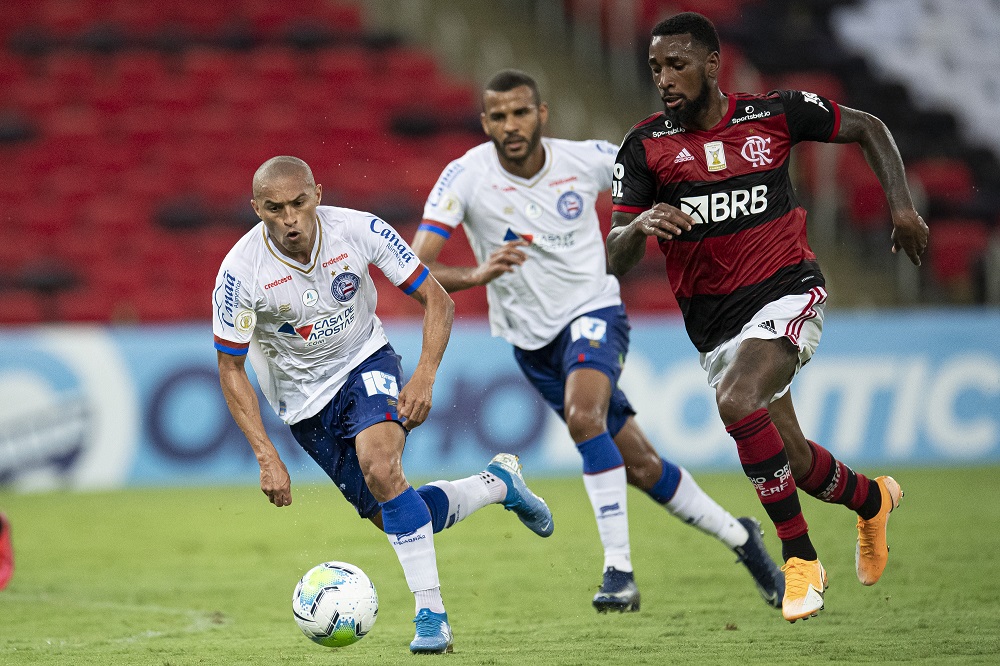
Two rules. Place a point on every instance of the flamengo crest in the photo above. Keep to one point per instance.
(756, 150)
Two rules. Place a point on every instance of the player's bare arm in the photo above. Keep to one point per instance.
(909, 232)
(627, 239)
(439, 313)
(242, 402)
(504, 259)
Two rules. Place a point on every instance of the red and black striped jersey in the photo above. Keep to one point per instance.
(749, 245)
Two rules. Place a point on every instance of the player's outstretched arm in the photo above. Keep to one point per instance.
(428, 246)
(909, 232)
(627, 239)
(415, 398)
(243, 405)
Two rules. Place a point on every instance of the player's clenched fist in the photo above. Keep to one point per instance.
(275, 482)
(415, 401)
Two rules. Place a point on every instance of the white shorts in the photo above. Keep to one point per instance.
(798, 318)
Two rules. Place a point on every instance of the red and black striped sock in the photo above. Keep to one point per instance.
(832, 481)
(765, 463)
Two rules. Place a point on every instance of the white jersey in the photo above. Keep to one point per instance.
(566, 271)
(307, 326)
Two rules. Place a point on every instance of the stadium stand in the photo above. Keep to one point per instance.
(140, 125)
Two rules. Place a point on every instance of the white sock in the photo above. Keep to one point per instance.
(429, 599)
(693, 505)
(416, 555)
(468, 495)
(607, 495)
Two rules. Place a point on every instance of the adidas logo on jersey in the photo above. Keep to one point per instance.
(768, 325)
(683, 156)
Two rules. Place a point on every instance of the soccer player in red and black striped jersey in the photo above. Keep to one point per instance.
(708, 177)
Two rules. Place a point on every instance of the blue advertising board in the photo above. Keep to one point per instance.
(90, 407)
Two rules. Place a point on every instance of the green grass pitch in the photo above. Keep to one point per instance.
(205, 576)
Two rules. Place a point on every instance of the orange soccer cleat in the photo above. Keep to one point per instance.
(872, 551)
(805, 583)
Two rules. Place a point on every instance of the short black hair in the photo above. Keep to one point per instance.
(508, 79)
(690, 23)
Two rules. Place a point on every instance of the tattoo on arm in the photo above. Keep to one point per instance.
(880, 151)
(625, 249)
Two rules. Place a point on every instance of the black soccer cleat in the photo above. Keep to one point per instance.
(618, 592)
(766, 574)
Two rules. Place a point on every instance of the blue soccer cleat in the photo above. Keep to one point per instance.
(766, 574)
(618, 592)
(433, 633)
(529, 507)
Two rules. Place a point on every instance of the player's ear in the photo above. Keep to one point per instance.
(482, 120)
(712, 64)
(253, 204)
(543, 112)
(319, 193)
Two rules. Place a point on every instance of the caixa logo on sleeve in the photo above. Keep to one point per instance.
(345, 286)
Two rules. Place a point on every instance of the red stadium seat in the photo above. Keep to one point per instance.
(86, 305)
(821, 83)
(942, 178)
(76, 74)
(204, 19)
(142, 19)
(46, 221)
(74, 128)
(208, 68)
(138, 73)
(343, 68)
(63, 18)
(13, 71)
(414, 65)
(718, 11)
(72, 186)
(955, 243)
(23, 307)
(273, 68)
(344, 17)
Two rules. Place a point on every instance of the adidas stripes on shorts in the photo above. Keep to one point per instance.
(798, 318)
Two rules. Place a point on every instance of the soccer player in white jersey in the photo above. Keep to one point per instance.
(295, 295)
(527, 204)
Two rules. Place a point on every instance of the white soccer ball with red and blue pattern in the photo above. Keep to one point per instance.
(335, 604)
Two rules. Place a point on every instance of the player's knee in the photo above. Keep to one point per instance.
(585, 423)
(736, 403)
(385, 479)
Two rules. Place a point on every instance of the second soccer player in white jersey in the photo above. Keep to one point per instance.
(527, 204)
(295, 295)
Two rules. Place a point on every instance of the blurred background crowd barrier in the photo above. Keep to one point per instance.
(91, 407)
(129, 131)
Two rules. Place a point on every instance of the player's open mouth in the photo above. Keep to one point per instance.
(514, 144)
(673, 102)
(292, 235)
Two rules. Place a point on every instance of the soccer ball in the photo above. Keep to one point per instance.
(335, 604)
